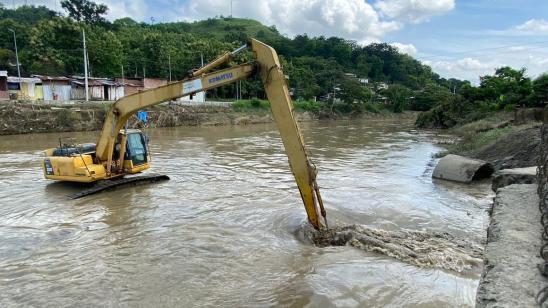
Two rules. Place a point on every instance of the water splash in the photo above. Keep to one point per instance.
(421, 248)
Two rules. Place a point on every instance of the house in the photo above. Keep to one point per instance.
(136, 84)
(4, 85)
(381, 86)
(150, 83)
(131, 85)
(25, 88)
(55, 88)
(99, 89)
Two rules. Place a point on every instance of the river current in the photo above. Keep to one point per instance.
(227, 229)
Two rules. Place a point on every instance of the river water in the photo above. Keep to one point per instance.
(227, 229)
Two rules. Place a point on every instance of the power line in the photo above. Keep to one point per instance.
(483, 49)
(512, 51)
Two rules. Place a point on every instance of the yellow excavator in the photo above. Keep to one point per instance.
(121, 151)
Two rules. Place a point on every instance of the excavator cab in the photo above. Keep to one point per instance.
(75, 162)
(136, 148)
(136, 153)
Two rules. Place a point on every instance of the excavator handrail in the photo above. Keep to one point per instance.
(268, 66)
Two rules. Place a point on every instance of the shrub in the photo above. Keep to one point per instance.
(254, 104)
(311, 106)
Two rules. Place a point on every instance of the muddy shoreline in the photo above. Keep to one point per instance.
(25, 118)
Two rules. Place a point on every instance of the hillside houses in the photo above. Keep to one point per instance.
(64, 89)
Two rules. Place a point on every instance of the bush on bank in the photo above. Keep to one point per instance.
(311, 106)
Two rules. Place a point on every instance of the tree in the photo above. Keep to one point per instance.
(352, 92)
(27, 14)
(539, 97)
(508, 86)
(105, 52)
(47, 56)
(85, 10)
(6, 57)
(399, 97)
(427, 97)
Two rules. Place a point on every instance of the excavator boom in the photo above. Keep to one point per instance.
(266, 64)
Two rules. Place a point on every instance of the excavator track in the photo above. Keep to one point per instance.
(112, 184)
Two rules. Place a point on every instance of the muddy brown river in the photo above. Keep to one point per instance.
(227, 229)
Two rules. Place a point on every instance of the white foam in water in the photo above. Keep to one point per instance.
(421, 248)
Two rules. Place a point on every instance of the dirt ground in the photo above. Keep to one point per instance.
(515, 150)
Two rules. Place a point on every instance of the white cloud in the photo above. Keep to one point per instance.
(409, 49)
(414, 11)
(352, 19)
(534, 26)
(136, 9)
(531, 27)
(465, 68)
(469, 68)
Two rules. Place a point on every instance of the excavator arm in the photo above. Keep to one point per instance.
(267, 65)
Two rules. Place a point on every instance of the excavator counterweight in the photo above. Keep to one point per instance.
(120, 152)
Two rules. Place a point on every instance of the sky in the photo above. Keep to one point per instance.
(462, 39)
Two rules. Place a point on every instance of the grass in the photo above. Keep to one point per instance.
(311, 106)
(263, 105)
(484, 132)
(478, 134)
(248, 105)
(494, 121)
(474, 142)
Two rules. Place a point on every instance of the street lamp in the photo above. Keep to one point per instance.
(16, 57)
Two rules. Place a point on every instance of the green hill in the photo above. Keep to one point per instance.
(51, 44)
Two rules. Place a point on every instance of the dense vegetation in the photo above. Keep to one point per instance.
(505, 90)
(52, 44)
(317, 67)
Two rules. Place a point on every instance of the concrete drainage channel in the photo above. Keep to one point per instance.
(516, 254)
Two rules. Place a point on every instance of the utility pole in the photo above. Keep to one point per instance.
(123, 81)
(85, 65)
(169, 61)
(202, 59)
(16, 57)
(230, 8)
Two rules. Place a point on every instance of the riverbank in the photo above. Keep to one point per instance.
(500, 139)
(511, 274)
(24, 117)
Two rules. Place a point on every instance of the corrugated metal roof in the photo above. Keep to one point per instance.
(95, 83)
(45, 77)
(24, 79)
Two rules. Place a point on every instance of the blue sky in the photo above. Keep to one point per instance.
(458, 38)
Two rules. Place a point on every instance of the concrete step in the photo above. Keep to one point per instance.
(507, 177)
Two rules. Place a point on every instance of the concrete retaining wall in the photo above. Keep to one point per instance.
(542, 180)
(510, 276)
(515, 271)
